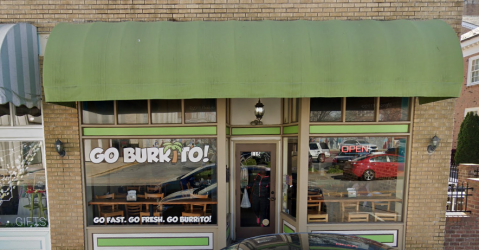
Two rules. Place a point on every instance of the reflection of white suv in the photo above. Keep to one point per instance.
(319, 151)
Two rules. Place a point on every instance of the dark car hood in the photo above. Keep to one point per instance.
(302, 241)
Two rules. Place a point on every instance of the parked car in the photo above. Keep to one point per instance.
(359, 145)
(194, 179)
(374, 166)
(319, 151)
(303, 241)
(342, 157)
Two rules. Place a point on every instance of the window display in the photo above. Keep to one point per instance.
(151, 181)
(22, 185)
(360, 180)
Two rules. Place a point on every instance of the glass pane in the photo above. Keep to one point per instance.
(200, 111)
(98, 112)
(295, 110)
(325, 110)
(393, 109)
(290, 177)
(27, 116)
(165, 111)
(286, 110)
(132, 112)
(5, 114)
(22, 184)
(360, 109)
(156, 181)
(255, 172)
(359, 179)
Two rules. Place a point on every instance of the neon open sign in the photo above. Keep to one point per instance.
(355, 149)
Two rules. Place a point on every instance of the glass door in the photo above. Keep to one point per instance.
(255, 189)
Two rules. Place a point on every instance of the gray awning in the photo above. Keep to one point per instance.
(19, 70)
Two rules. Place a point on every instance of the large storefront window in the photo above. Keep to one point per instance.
(22, 185)
(151, 181)
(290, 176)
(360, 180)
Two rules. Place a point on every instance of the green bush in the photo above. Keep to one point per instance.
(468, 140)
(250, 162)
(334, 170)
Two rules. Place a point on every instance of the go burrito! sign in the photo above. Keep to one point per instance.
(170, 152)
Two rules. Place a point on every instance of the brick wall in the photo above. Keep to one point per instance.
(469, 99)
(462, 231)
(65, 207)
(45, 14)
(60, 122)
(426, 210)
(65, 200)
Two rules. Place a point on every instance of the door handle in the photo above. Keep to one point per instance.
(272, 199)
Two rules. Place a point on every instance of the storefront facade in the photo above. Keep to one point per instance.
(186, 128)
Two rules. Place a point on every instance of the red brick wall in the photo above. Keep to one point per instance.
(461, 233)
(469, 99)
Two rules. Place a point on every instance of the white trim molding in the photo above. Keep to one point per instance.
(474, 110)
(469, 70)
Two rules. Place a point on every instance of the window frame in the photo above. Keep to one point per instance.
(470, 62)
(149, 116)
(475, 109)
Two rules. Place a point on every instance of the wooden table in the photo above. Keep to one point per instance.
(150, 202)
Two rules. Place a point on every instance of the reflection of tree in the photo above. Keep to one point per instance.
(327, 116)
(12, 173)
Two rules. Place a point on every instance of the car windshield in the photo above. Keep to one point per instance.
(313, 146)
(324, 145)
(363, 142)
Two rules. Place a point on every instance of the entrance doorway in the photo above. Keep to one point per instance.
(255, 166)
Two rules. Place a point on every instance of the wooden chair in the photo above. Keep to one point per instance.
(349, 207)
(385, 216)
(358, 217)
(196, 208)
(195, 214)
(153, 196)
(147, 214)
(152, 189)
(315, 214)
(386, 204)
(133, 210)
(109, 210)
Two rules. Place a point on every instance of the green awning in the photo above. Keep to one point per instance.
(234, 59)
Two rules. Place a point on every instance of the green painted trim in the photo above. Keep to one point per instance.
(354, 129)
(150, 131)
(381, 238)
(227, 130)
(257, 131)
(290, 130)
(142, 242)
(287, 229)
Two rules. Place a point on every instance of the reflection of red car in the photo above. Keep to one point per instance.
(375, 166)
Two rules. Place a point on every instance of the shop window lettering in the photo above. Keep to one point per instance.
(153, 154)
(169, 219)
(355, 149)
(31, 221)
